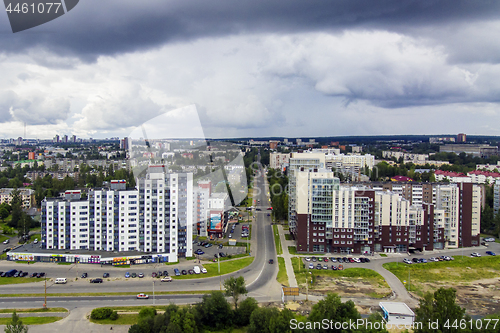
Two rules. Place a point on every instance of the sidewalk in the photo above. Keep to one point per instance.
(292, 281)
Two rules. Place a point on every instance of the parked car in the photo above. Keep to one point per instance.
(24, 274)
(318, 266)
(142, 296)
(33, 275)
(166, 279)
(475, 254)
(203, 270)
(325, 259)
(191, 272)
(308, 259)
(153, 274)
(96, 280)
(177, 272)
(334, 267)
(230, 236)
(84, 275)
(159, 273)
(165, 273)
(41, 275)
(221, 254)
(184, 272)
(127, 275)
(490, 253)
(134, 275)
(407, 261)
(433, 259)
(105, 275)
(332, 259)
(320, 259)
(325, 266)
(489, 239)
(141, 275)
(6, 241)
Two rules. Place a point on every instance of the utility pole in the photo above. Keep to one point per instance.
(45, 303)
(153, 292)
(220, 278)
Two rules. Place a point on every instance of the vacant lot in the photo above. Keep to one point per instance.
(351, 282)
(476, 280)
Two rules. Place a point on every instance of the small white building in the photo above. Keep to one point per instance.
(397, 313)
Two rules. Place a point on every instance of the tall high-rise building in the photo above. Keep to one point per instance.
(56, 139)
(155, 217)
(461, 138)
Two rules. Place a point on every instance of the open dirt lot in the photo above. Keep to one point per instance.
(349, 287)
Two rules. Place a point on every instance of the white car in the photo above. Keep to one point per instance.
(308, 259)
(166, 279)
(407, 261)
(203, 270)
(490, 239)
(475, 254)
(6, 241)
(433, 259)
(311, 266)
(35, 241)
(142, 296)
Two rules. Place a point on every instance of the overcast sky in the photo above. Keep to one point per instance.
(294, 68)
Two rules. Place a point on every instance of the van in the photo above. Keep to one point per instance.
(197, 269)
(61, 281)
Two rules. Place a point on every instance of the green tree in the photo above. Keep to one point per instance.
(439, 307)
(235, 287)
(16, 325)
(243, 313)
(4, 213)
(16, 204)
(214, 310)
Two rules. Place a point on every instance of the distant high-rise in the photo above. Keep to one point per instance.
(124, 144)
(19, 141)
(56, 139)
(73, 138)
(65, 139)
(461, 138)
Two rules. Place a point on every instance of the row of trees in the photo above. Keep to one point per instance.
(278, 185)
(437, 312)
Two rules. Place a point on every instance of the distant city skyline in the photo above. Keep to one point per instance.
(258, 69)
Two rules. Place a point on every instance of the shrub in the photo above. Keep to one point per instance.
(147, 312)
(114, 315)
(101, 313)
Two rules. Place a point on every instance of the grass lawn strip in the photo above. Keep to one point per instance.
(32, 320)
(123, 319)
(34, 310)
(277, 241)
(282, 275)
(192, 292)
(13, 280)
(226, 267)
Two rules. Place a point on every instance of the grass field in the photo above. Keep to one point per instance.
(363, 274)
(292, 250)
(65, 263)
(212, 269)
(288, 237)
(35, 236)
(277, 241)
(462, 269)
(13, 280)
(32, 320)
(282, 276)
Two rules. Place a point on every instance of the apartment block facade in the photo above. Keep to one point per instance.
(363, 218)
(155, 217)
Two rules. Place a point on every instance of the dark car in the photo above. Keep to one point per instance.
(133, 275)
(199, 252)
(416, 260)
(4, 274)
(191, 271)
(221, 254)
(271, 261)
(165, 273)
(97, 280)
(24, 274)
(491, 253)
(40, 275)
(105, 275)
(177, 272)
(184, 272)
(18, 273)
(159, 273)
(153, 274)
(84, 275)
(367, 260)
(318, 266)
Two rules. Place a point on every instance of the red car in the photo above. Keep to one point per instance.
(142, 296)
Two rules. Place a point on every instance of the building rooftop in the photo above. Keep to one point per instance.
(396, 308)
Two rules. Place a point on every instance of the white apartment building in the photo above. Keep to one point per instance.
(157, 217)
(27, 196)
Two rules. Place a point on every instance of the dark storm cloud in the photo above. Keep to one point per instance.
(111, 27)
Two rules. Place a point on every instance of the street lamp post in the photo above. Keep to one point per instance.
(153, 292)
(45, 303)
